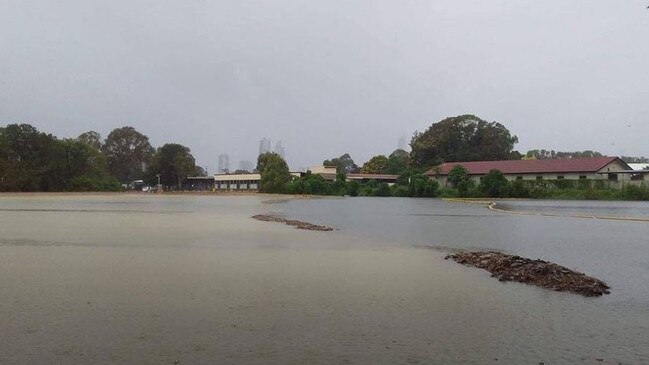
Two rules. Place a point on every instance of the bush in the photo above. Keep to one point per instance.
(399, 190)
(632, 192)
(87, 183)
(447, 193)
(584, 184)
(422, 186)
(600, 185)
(457, 176)
(353, 188)
(519, 190)
(464, 187)
(564, 184)
(494, 185)
(383, 190)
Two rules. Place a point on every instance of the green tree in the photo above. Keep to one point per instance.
(376, 165)
(494, 184)
(32, 160)
(457, 175)
(344, 164)
(274, 171)
(398, 162)
(91, 138)
(86, 168)
(462, 138)
(353, 188)
(420, 185)
(127, 153)
(174, 163)
(383, 190)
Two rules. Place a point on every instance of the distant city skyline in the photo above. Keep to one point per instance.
(246, 165)
(264, 145)
(401, 145)
(224, 163)
(280, 149)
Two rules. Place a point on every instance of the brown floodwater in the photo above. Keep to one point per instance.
(130, 279)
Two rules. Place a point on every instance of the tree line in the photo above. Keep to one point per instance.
(276, 178)
(31, 160)
(455, 139)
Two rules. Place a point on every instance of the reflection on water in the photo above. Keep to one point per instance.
(99, 279)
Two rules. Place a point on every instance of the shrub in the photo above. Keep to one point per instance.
(353, 188)
(564, 184)
(399, 190)
(494, 184)
(86, 183)
(519, 190)
(632, 192)
(383, 190)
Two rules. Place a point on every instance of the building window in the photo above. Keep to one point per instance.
(560, 177)
(539, 177)
(612, 177)
(519, 178)
(582, 177)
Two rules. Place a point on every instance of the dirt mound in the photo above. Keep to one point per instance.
(535, 272)
(297, 224)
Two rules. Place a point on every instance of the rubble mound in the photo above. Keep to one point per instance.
(297, 224)
(534, 272)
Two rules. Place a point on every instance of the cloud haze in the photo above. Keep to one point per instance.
(328, 77)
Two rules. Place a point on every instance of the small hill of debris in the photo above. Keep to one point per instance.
(297, 224)
(535, 272)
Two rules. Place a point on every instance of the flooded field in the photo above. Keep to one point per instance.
(135, 279)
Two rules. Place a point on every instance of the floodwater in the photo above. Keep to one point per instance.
(136, 279)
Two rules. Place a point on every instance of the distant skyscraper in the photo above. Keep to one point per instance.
(280, 150)
(224, 163)
(264, 146)
(402, 143)
(246, 165)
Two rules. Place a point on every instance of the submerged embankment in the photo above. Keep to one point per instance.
(534, 272)
(291, 222)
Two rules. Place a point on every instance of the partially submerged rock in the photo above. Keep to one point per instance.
(290, 222)
(535, 272)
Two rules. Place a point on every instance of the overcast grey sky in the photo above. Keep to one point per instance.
(328, 77)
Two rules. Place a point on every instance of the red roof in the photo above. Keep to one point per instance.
(373, 176)
(559, 165)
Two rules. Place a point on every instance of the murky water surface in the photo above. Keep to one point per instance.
(132, 279)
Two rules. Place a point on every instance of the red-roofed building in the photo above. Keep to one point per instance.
(588, 168)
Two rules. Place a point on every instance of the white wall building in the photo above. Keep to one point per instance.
(610, 169)
(237, 181)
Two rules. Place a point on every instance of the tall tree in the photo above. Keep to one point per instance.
(398, 162)
(344, 164)
(462, 138)
(274, 173)
(85, 168)
(494, 184)
(458, 175)
(33, 160)
(174, 163)
(127, 152)
(91, 138)
(376, 165)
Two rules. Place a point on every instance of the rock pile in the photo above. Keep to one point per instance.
(297, 224)
(535, 272)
